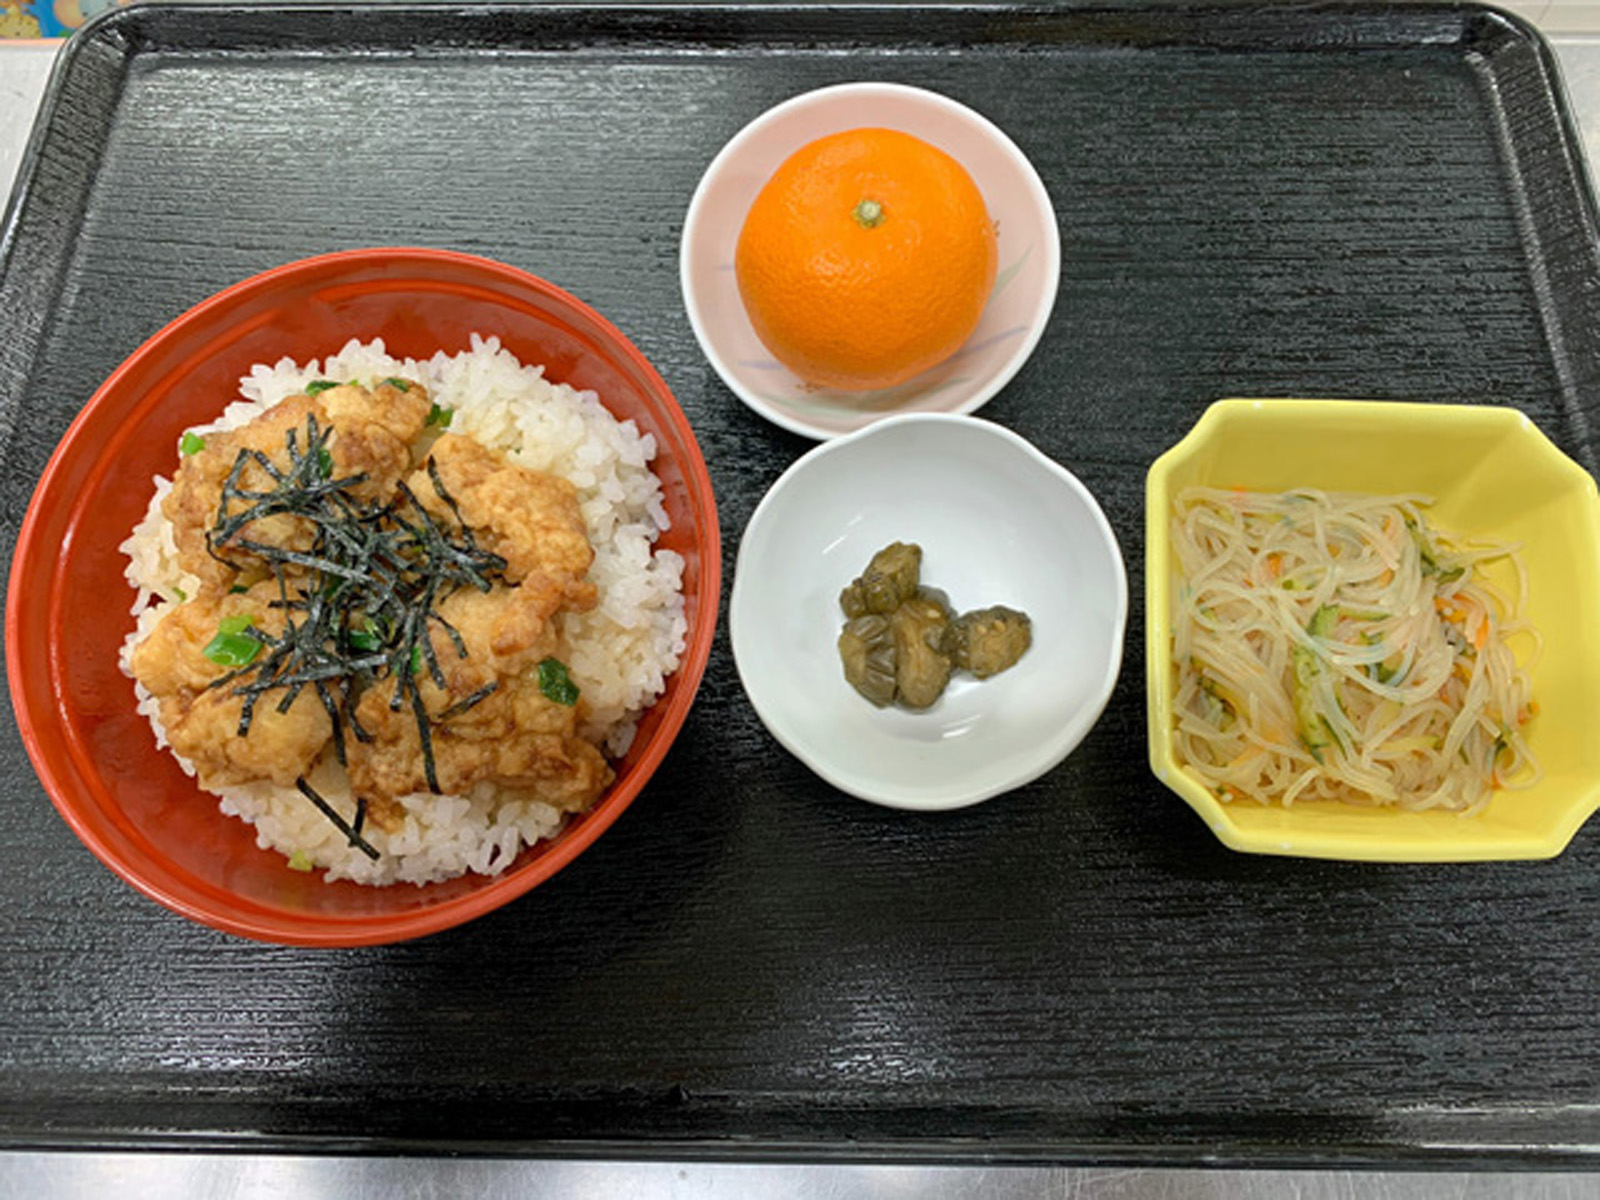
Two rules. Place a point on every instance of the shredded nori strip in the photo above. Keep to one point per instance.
(380, 569)
(352, 832)
(477, 697)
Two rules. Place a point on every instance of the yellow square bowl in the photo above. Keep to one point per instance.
(1493, 475)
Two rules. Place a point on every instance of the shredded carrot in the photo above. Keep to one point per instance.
(1457, 610)
(1274, 565)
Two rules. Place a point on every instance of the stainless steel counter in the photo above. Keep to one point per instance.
(24, 69)
(149, 1176)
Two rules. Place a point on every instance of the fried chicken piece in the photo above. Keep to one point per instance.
(515, 737)
(503, 630)
(280, 746)
(373, 432)
(202, 722)
(529, 518)
(196, 492)
(372, 435)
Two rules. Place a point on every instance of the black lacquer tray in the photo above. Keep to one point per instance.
(1364, 200)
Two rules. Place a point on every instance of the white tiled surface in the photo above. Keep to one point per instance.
(1580, 71)
(1557, 16)
(24, 67)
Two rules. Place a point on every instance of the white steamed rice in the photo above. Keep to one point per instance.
(620, 653)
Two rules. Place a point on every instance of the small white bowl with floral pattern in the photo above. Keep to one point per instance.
(1012, 322)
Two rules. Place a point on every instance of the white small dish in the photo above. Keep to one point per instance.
(998, 523)
(1012, 323)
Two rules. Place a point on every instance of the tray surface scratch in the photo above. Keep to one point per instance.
(1360, 200)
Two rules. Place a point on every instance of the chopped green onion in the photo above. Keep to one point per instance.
(300, 861)
(324, 462)
(403, 384)
(191, 443)
(319, 385)
(180, 594)
(236, 624)
(556, 684)
(366, 638)
(232, 649)
(440, 416)
(416, 660)
(238, 589)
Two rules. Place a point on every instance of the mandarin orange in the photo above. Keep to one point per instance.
(866, 259)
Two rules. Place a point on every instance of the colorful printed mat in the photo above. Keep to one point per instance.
(48, 18)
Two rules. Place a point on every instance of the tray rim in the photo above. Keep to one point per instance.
(1520, 1154)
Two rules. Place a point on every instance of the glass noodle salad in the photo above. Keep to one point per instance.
(1337, 647)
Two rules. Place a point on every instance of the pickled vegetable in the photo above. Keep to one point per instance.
(866, 645)
(902, 641)
(922, 669)
(986, 641)
(890, 579)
